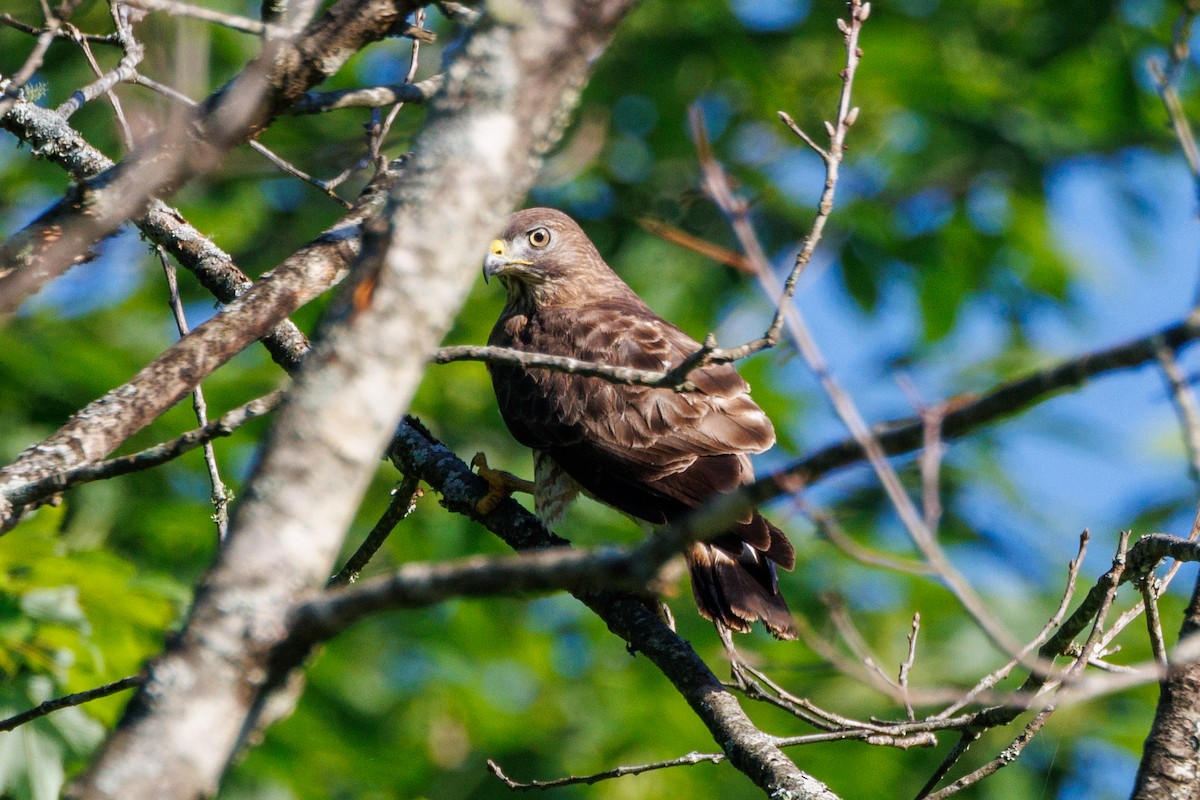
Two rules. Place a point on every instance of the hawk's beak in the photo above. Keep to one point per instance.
(497, 263)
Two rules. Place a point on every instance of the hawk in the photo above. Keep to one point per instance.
(653, 454)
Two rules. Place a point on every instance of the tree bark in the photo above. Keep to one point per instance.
(504, 104)
(1170, 768)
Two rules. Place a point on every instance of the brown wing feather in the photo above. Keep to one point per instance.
(651, 453)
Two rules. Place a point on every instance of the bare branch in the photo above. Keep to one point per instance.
(231, 21)
(617, 772)
(255, 145)
(52, 138)
(10, 89)
(368, 97)
(220, 494)
(146, 459)
(828, 527)
(704, 247)
(105, 423)
(67, 31)
(404, 499)
(907, 665)
(96, 208)
(1006, 757)
(988, 681)
(66, 701)
(124, 70)
(419, 585)
(1150, 596)
(627, 376)
(1185, 406)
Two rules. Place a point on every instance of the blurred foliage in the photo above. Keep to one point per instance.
(968, 110)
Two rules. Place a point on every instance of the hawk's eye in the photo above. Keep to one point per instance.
(539, 237)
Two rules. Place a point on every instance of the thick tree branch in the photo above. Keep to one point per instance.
(749, 749)
(505, 97)
(1170, 765)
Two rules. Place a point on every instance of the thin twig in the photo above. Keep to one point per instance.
(10, 90)
(722, 255)
(231, 21)
(291, 169)
(1006, 757)
(1178, 117)
(258, 147)
(930, 460)
(220, 493)
(907, 665)
(67, 31)
(617, 772)
(828, 527)
(118, 111)
(150, 457)
(844, 624)
(66, 701)
(403, 501)
(965, 740)
(1150, 595)
(993, 678)
(125, 69)
(380, 131)
(1185, 406)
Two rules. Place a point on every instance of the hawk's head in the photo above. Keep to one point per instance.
(544, 257)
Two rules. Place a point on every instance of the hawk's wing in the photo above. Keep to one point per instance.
(652, 453)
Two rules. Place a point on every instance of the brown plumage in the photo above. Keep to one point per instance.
(653, 454)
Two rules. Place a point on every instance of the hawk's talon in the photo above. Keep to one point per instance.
(501, 484)
(664, 614)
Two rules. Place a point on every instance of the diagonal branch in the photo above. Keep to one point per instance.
(749, 749)
(52, 138)
(69, 700)
(149, 458)
(506, 94)
(282, 72)
(102, 426)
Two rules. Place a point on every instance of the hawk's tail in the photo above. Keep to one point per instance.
(734, 579)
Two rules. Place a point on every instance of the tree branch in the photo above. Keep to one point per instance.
(146, 459)
(368, 97)
(506, 94)
(66, 701)
(103, 425)
(94, 209)
(51, 137)
(753, 752)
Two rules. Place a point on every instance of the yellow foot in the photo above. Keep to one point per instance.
(500, 484)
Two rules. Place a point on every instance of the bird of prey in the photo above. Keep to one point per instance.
(653, 454)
